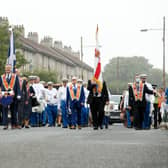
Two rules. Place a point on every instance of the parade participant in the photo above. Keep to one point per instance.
(26, 103)
(137, 101)
(127, 109)
(9, 84)
(85, 108)
(97, 99)
(52, 103)
(62, 102)
(149, 103)
(40, 95)
(164, 114)
(75, 101)
(33, 101)
(161, 99)
(156, 105)
(20, 104)
(44, 112)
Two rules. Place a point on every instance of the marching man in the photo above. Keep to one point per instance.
(10, 89)
(62, 102)
(75, 101)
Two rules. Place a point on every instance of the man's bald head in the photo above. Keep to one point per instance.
(8, 68)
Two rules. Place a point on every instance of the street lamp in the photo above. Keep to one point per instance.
(163, 29)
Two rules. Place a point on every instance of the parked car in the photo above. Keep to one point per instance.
(114, 105)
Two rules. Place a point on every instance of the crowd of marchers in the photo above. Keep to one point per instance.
(75, 104)
(144, 105)
(33, 103)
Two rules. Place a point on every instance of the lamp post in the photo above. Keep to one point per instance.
(163, 29)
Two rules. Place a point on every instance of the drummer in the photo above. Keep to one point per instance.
(9, 84)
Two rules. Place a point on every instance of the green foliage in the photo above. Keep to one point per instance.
(4, 46)
(122, 70)
(44, 75)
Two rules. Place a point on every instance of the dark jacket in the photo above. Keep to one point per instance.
(132, 101)
(104, 93)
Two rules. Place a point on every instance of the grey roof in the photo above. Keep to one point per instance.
(60, 55)
(35, 47)
(73, 59)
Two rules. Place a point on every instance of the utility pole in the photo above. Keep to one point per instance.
(164, 80)
(117, 68)
(82, 56)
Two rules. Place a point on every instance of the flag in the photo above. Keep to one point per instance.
(11, 52)
(97, 63)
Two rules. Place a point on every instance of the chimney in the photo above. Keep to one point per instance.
(33, 36)
(58, 44)
(76, 54)
(68, 49)
(47, 41)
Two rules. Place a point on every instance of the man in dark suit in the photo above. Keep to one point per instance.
(137, 101)
(97, 100)
(9, 84)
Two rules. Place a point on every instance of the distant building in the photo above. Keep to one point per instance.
(50, 56)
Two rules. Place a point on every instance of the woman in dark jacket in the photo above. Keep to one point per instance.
(97, 102)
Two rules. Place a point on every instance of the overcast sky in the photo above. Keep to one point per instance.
(119, 23)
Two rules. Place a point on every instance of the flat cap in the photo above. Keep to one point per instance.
(64, 80)
(74, 78)
(143, 76)
(79, 80)
(50, 83)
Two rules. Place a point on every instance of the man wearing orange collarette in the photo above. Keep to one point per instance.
(75, 101)
(10, 89)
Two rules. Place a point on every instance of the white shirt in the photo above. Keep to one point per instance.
(149, 97)
(62, 93)
(52, 97)
(39, 90)
(86, 92)
(126, 99)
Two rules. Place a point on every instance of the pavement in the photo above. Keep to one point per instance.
(116, 147)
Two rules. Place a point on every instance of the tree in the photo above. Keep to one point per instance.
(44, 75)
(122, 70)
(4, 46)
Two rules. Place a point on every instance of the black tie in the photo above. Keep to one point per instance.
(8, 78)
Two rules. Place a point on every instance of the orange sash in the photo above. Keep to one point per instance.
(11, 84)
(138, 94)
(78, 92)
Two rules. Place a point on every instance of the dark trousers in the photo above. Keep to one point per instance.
(155, 115)
(97, 110)
(20, 105)
(138, 115)
(13, 109)
(76, 115)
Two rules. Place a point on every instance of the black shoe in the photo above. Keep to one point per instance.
(95, 128)
(101, 127)
(58, 125)
(136, 128)
(64, 127)
(106, 126)
(5, 128)
(27, 126)
(49, 125)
